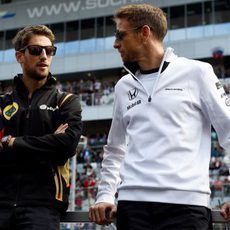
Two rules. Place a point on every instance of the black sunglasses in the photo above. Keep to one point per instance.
(119, 35)
(36, 50)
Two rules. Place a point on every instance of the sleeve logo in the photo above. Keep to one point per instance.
(219, 85)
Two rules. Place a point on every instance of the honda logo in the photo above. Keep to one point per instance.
(133, 93)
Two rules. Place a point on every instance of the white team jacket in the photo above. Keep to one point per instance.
(159, 150)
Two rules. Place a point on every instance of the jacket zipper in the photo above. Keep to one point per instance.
(149, 95)
(28, 111)
(167, 52)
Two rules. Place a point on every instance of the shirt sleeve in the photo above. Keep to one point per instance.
(114, 153)
(215, 105)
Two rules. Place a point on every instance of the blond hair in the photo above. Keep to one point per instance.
(144, 14)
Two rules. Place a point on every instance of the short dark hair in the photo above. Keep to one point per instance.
(24, 35)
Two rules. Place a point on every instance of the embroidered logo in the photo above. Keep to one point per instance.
(133, 104)
(133, 93)
(219, 85)
(174, 89)
(227, 101)
(10, 110)
(45, 107)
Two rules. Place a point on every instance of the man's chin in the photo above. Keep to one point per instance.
(40, 76)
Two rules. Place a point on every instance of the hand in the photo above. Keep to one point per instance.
(102, 213)
(61, 128)
(9, 142)
(225, 210)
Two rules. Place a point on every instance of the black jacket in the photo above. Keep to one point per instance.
(35, 171)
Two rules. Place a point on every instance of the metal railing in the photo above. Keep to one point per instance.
(82, 216)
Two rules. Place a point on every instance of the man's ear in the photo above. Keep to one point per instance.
(19, 57)
(146, 32)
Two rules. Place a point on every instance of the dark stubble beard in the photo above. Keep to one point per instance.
(36, 75)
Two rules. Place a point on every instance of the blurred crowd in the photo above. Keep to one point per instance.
(92, 91)
(219, 171)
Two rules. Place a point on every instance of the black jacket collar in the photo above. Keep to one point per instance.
(133, 67)
(19, 84)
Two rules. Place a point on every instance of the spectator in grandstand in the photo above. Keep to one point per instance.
(41, 127)
(88, 169)
(78, 199)
(158, 149)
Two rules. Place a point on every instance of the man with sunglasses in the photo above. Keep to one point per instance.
(41, 128)
(158, 149)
